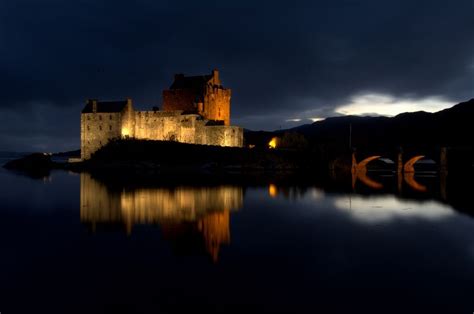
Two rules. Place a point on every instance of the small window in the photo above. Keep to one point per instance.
(110, 117)
(100, 142)
(219, 112)
(100, 117)
(88, 117)
(88, 128)
(110, 127)
(100, 127)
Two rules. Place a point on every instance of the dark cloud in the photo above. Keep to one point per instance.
(282, 60)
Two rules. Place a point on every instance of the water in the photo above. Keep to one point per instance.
(72, 243)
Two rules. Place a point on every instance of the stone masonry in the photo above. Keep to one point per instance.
(204, 122)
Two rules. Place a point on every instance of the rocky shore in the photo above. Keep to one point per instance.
(155, 157)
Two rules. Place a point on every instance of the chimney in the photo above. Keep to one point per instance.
(93, 102)
(215, 77)
(129, 103)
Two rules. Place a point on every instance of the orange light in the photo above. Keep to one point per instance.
(273, 143)
(272, 190)
(125, 132)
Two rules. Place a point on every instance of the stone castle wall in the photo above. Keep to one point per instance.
(165, 126)
(221, 135)
(216, 105)
(187, 128)
(97, 129)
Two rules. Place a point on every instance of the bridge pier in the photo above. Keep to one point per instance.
(399, 182)
(400, 162)
(354, 163)
(443, 160)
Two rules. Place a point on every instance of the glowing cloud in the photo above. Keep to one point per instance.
(387, 105)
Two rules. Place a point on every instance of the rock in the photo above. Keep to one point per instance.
(36, 165)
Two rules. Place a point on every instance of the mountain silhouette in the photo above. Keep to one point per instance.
(451, 127)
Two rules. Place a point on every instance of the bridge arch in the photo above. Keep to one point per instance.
(359, 172)
(362, 177)
(412, 183)
(361, 167)
(363, 163)
(409, 165)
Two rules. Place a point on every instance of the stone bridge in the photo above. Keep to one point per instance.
(404, 162)
(403, 159)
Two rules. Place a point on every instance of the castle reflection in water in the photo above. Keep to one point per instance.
(193, 218)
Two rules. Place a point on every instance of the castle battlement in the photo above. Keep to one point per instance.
(193, 115)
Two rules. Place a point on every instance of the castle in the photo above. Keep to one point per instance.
(195, 110)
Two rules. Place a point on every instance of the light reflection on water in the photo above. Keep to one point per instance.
(204, 210)
(272, 247)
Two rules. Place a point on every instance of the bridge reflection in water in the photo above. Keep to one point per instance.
(193, 216)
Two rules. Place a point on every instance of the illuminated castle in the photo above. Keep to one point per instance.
(196, 110)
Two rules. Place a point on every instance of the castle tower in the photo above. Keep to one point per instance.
(102, 121)
(202, 94)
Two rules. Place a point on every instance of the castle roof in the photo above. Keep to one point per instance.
(196, 83)
(105, 106)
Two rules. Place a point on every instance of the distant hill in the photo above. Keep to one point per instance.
(449, 127)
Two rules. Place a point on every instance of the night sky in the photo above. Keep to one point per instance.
(286, 62)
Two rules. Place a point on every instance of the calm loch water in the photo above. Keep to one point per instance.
(71, 243)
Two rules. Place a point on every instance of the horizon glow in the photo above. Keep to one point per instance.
(387, 105)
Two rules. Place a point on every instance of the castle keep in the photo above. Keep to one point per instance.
(203, 95)
(196, 110)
